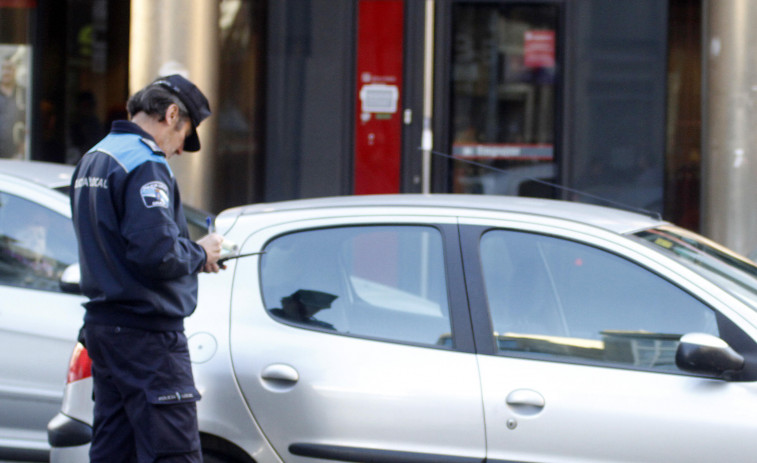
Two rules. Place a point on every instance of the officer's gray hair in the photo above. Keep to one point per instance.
(154, 100)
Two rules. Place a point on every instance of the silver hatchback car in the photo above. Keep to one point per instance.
(451, 328)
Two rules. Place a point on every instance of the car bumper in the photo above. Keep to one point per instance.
(70, 454)
(69, 439)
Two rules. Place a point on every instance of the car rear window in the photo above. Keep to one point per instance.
(36, 244)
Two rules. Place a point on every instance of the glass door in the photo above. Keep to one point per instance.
(15, 77)
(504, 80)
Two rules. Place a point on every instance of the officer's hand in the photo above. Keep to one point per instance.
(212, 245)
(213, 268)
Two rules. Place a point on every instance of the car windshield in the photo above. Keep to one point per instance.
(733, 272)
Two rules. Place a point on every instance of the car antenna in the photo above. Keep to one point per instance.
(222, 260)
(653, 214)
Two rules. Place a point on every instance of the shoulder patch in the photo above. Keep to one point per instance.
(154, 194)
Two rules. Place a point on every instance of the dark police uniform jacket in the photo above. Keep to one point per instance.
(138, 265)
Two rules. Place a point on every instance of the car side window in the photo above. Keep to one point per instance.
(383, 282)
(36, 244)
(569, 300)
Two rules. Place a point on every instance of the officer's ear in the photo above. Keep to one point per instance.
(172, 114)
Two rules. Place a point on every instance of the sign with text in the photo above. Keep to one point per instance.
(539, 49)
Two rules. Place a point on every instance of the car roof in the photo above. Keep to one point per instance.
(48, 174)
(53, 175)
(616, 220)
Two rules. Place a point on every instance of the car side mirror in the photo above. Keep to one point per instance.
(70, 279)
(708, 355)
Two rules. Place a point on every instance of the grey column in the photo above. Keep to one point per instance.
(729, 143)
(181, 37)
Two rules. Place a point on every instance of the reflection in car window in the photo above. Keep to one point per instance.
(558, 297)
(378, 281)
(36, 244)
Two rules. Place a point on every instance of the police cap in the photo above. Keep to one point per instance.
(195, 102)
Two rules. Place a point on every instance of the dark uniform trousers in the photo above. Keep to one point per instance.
(145, 398)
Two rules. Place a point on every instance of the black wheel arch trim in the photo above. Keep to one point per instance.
(223, 449)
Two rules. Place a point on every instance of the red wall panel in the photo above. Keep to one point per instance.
(378, 127)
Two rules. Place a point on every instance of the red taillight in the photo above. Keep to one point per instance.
(80, 366)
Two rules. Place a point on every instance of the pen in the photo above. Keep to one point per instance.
(210, 224)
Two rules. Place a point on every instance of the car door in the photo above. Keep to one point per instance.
(38, 323)
(581, 340)
(351, 341)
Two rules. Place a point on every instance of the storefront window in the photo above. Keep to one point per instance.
(684, 111)
(239, 154)
(81, 54)
(504, 68)
(15, 63)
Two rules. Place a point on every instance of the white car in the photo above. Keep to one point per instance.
(453, 328)
(38, 321)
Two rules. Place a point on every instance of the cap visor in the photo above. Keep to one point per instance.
(192, 142)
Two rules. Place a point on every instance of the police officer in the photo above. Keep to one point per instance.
(139, 270)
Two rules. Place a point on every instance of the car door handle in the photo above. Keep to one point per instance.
(280, 373)
(526, 401)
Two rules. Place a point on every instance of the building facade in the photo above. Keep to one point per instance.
(591, 100)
